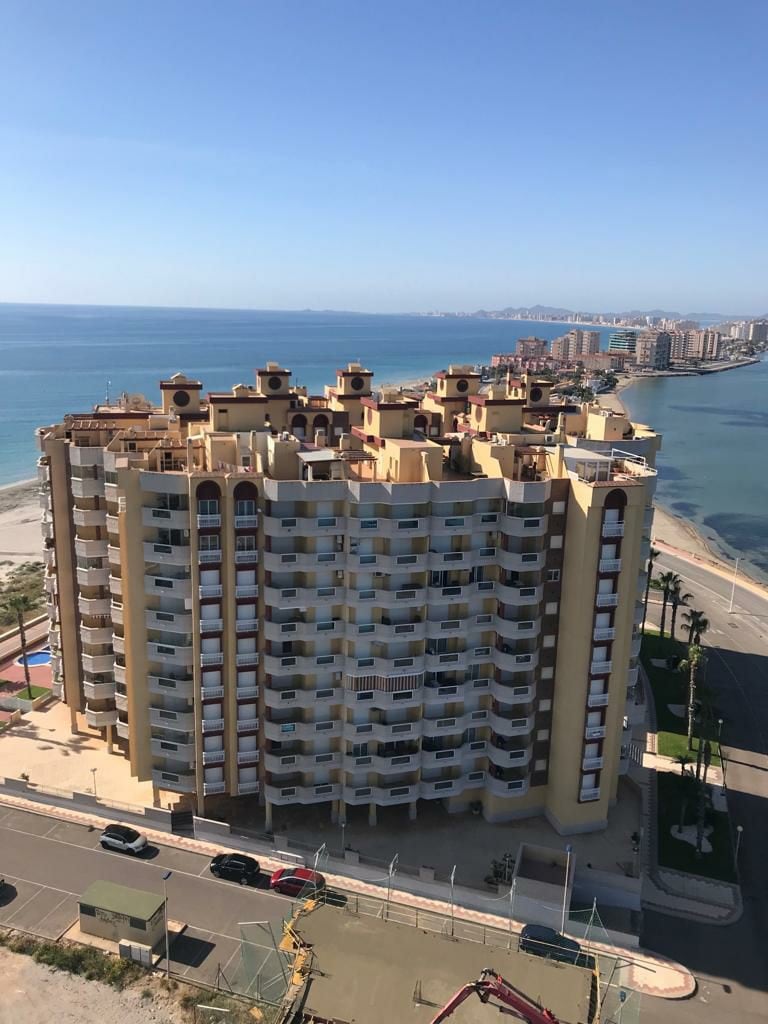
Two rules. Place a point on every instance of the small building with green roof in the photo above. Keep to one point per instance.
(118, 912)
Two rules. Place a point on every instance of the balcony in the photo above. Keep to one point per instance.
(302, 794)
(163, 719)
(168, 518)
(599, 668)
(294, 698)
(98, 664)
(50, 586)
(173, 654)
(509, 694)
(634, 650)
(515, 757)
(171, 622)
(607, 600)
(299, 730)
(213, 788)
(95, 606)
(504, 725)
(291, 763)
(301, 561)
(85, 455)
(211, 625)
(438, 789)
(119, 673)
(453, 755)
(209, 556)
(172, 587)
(586, 795)
(123, 729)
(613, 529)
(247, 725)
(518, 526)
(166, 554)
(99, 691)
(210, 590)
(100, 719)
(247, 692)
(208, 522)
(244, 658)
(165, 685)
(86, 487)
(92, 577)
(89, 517)
(598, 700)
(303, 597)
(592, 764)
(246, 522)
(210, 725)
(248, 756)
(381, 795)
(525, 561)
(211, 658)
(116, 586)
(246, 625)
(512, 662)
(121, 701)
(95, 635)
(246, 557)
(609, 565)
(322, 526)
(184, 752)
(604, 633)
(515, 629)
(394, 764)
(444, 725)
(249, 590)
(177, 782)
(519, 595)
(594, 732)
(214, 756)
(245, 788)
(211, 692)
(503, 787)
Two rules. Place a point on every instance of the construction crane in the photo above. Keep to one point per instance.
(490, 984)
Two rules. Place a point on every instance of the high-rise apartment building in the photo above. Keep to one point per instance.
(622, 341)
(530, 348)
(575, 344)
(758, 332)
(652, 350)
(561, 349)
(353, 599)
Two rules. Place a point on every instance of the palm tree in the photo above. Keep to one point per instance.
(677, 599)
(694, 665)
(20, 604)
(697, 624)
(683, 760)
(653, 554)
(667, 581)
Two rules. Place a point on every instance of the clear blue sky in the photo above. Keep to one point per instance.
(385, 155)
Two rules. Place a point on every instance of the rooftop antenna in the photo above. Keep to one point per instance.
(107, 397)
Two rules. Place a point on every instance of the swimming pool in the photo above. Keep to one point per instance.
(42, 657)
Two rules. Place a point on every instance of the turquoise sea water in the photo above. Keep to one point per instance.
(57, 359)
(713, 469)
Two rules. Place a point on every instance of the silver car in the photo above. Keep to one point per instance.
(123, 839)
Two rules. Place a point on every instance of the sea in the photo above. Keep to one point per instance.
(58, 359)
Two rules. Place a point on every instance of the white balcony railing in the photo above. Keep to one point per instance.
(600, 667)
(597, 700)
(589, 794)
(594, 732)
(610, 565)
(613, 529)
(607, 600)
(604, 633)
(592, 764)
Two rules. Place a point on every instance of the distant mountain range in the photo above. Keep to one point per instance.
(561, 313)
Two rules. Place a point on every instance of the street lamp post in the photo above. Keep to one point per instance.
(343, 844)
(739, 833)
(511, 910)
(166, 876)
(733, 584)
(453, 877)
(93, 773)
(568, 850)
(390, 876)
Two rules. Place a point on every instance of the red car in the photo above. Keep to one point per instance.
(296, 881)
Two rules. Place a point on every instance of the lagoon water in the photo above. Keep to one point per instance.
(57, 359)
(713, 467)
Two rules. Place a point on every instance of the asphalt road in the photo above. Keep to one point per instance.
(48, 864)
(731, 963)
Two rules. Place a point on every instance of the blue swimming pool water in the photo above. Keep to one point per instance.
(37, 658)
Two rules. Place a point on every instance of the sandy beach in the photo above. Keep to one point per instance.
(20, 539)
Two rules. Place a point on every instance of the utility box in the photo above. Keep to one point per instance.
(119, 913)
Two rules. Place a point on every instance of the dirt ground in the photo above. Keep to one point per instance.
(36, 994)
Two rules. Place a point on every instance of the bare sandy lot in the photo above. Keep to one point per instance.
(20, 538)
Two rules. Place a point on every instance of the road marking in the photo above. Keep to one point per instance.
(42, 885)
(39, 924)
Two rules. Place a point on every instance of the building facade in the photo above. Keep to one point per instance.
(353, 599)
(652, 350)
(622, 341)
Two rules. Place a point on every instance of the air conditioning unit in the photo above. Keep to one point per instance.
(379, 574)
(339, 574)
(337, 677)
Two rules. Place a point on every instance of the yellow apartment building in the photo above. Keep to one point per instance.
(359, 599)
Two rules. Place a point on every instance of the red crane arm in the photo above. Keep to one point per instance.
(492, 984)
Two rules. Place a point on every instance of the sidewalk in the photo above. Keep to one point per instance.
(645, 972)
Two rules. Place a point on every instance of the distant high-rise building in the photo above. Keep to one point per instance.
(704, 344)
(622, 341)
(758, 332)
(561, 348)
(653, 350)
(530, 347)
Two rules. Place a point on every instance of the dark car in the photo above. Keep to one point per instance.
(235, 867)
(123, 839)
(296, 881)
(542, 941)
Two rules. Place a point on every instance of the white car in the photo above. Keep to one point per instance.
(123, 838)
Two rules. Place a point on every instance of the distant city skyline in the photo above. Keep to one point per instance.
(384, 159)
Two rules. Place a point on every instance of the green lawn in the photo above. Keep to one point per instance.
(679, 855)
(671, 687)
(37, 691)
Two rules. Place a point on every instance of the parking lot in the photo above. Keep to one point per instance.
(48, 863)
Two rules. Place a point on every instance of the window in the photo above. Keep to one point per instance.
(545, 705)
(210, 542)
(208, 507)
(245, 507)
(365, 695)
(558, 508)
(547, 673)
(556, 541)
(549, 641)
(138, 923)
(402, 695)
(326, 521)
(550, 608)
(553, 575)
(542, 734)
(244, 543)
